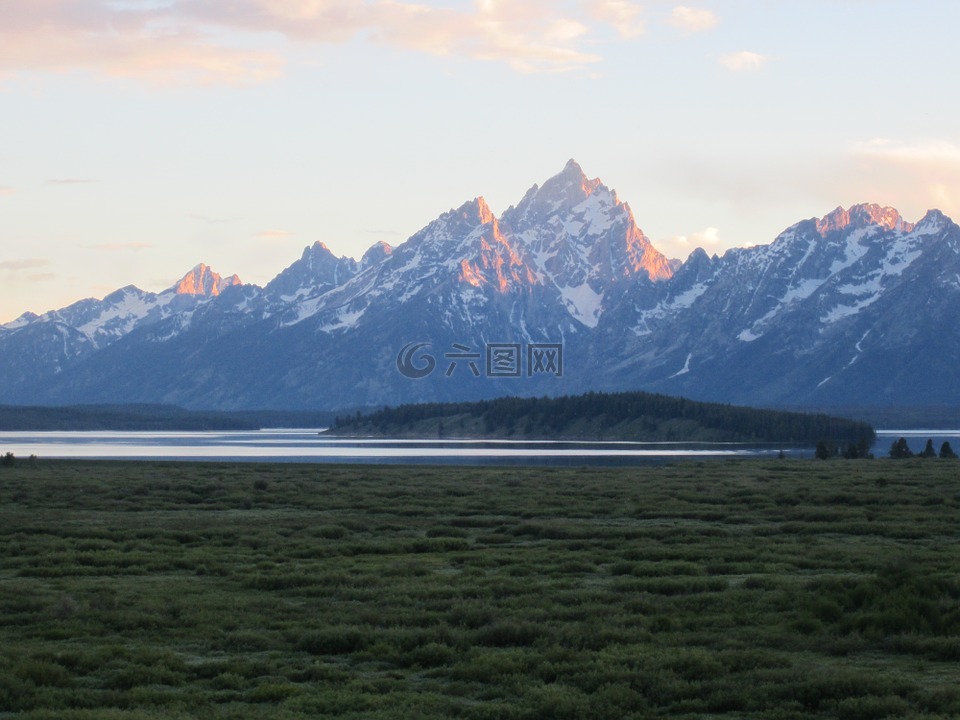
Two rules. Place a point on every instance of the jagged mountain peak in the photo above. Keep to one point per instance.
(476, 211)
(557, 196)
(861, 216)
(448, 231)
(698, 259)
(583, 232)
(317, 251)
(486, 214)
(202, 280)
(317, 268)
(376, 253)
(934, 221)
(24, 319)
(573, 175)
(847, 307)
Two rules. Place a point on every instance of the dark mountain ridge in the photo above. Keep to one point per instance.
(560, 295)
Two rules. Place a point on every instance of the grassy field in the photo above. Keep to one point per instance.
(760, 589)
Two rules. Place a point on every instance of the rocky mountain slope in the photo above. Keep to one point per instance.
(561, 294)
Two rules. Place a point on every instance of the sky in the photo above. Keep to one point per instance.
(139, 138)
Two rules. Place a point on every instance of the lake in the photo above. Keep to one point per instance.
(306, 445)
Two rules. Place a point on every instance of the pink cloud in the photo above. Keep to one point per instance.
(273, 234)
(24, 264)
(622, 15)
(743, 61)
(692, 19)
(41, 277)
(211, 41)
(914, 175)
(69, 181)
(122, 41)
(114, 247)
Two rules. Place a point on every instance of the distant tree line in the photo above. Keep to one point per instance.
(547, 416)
(8, 459)
(899, 450)
(850, 450)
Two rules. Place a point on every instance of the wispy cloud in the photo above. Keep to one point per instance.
(273, 234)
(622, 15)
(24, 264)
(706, 237)
(925, 152)
(210, 220)
(208, 41)
(918, 174)
(153, 41)
(69, 181)
(680, 246)
(4, 190)
(692, 19)
(528, 35)
(41, 277)
(743, 61)
(121, 247)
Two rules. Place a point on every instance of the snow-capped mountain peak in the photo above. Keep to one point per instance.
(852, 306)
(933, 222)
(557, 196)
(579, 231)
(317, 270)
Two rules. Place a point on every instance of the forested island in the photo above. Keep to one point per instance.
(636, 416)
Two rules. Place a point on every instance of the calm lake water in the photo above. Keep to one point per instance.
(309, 446)
(306, 445)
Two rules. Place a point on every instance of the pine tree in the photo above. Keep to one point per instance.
(824, 451)
(899, 449)
(946, 451)
(928, 451)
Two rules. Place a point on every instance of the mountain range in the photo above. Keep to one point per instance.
(561, 294)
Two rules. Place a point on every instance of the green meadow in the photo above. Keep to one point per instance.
(722, 589)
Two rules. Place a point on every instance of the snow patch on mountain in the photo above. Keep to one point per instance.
(568, 262)
(685, 369)
(801, 291)
(345, 320)
(853, 249)
(901, 256)
(121, 317)
(583, 302)
(22, 321)
(688, 297)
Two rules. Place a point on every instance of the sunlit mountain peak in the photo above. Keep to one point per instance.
(202, 280)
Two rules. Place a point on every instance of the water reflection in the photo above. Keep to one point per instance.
(308, 446)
